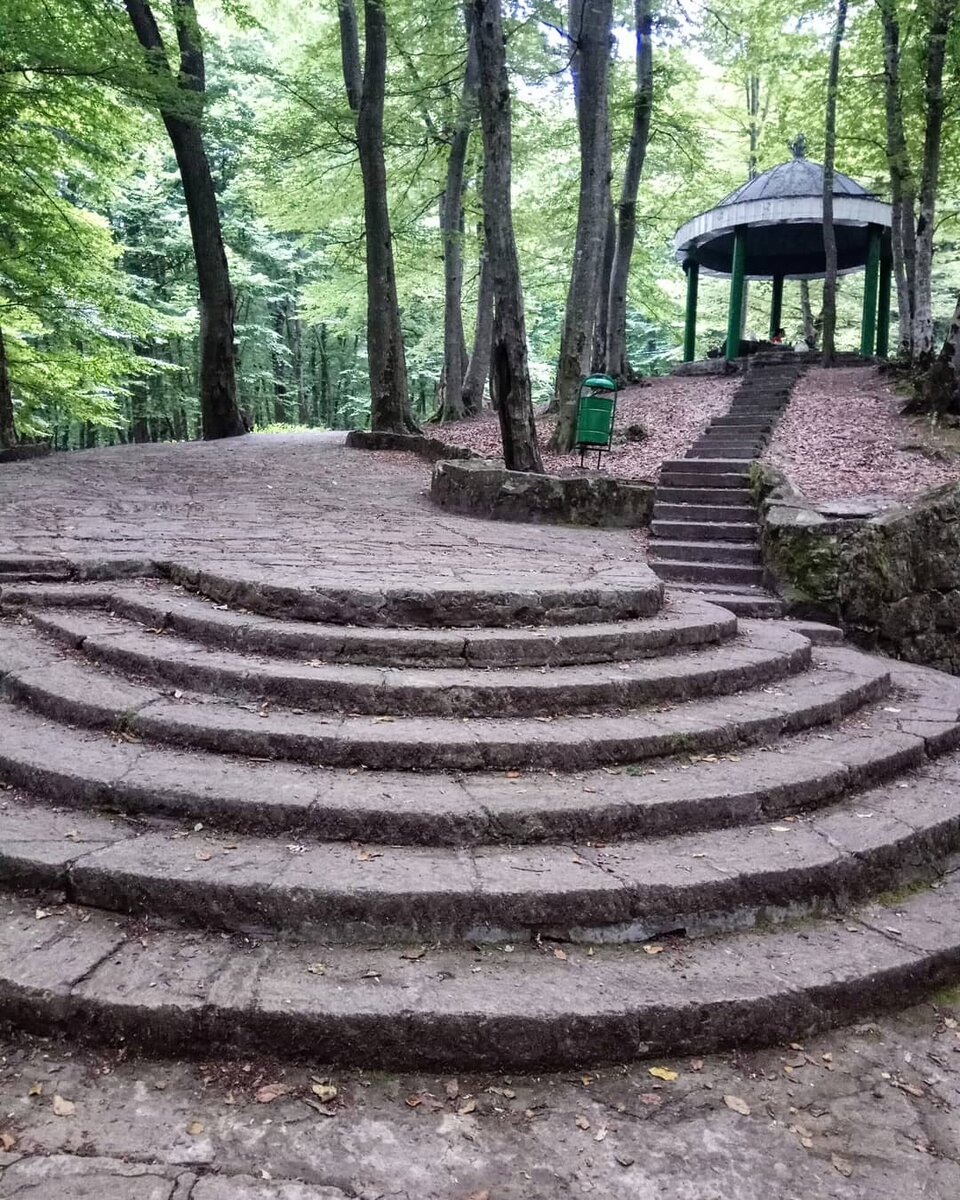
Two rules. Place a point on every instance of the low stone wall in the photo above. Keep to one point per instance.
(888, 573)
(24, 451)
(484, 488)
(413, 443)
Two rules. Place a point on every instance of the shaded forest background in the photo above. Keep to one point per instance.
(99, 310)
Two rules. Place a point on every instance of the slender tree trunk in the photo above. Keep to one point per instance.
(940, 20)
(601, 329)
(478, 368)
(617, 363)
(389, 398)
(806, 314)
(452, 230)
(590, 23)
(510, 373)
(829, 157)
(281, 412)
(217, 385)
(903, 187)
(8, 428)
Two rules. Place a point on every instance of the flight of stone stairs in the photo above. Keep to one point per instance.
(451, 830)
(705, 532)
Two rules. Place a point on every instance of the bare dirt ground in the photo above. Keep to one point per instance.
(673, 411)
(868, 1113)
(843, 436)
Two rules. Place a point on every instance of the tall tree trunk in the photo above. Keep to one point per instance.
(617, 363)
(903, 186)
(590, 23)
(218, 385)
(829, 157)
(452, 230)
(936, 45)
(601, 328)
(8, 428)
(389, 398)
(478, 368)
(278, 365)
(510, 373)
(806, 315)
(938, 390)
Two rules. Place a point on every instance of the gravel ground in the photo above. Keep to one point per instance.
(672, 410)
(843, 436)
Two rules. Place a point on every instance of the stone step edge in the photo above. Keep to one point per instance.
(759, 655)
(77, 694)
(169, 993)
(448, 607)
(871, 842)
(253, 632)
(466, 809)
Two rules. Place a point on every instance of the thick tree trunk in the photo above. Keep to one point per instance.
(617, 363)
(938, 390)
(478, 368)
(590, 23)
(217, 385)
(8, 428)
(452, 230)
(510, 373)
(936, 45)
(829, 157)
(903, 188)
(389, 399)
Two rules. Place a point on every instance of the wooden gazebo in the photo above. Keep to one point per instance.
(771, 227)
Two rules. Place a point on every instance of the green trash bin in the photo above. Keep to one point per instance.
(596, 412)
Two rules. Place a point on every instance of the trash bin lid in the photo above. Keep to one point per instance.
(600, 381)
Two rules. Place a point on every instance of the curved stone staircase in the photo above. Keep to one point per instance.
(499, 829)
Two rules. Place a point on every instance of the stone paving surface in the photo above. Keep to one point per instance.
(299, 507)
(868, 1113)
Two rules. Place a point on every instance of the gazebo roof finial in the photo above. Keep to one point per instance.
(798, 146)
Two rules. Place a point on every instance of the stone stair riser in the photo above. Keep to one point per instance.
(703, 531)
(732, 553)
(709, 572)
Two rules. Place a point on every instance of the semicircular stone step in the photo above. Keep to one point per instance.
(628, 891)
(76, 692)
(680, 624)
(170, 991)
(762, 653)
(621, 592)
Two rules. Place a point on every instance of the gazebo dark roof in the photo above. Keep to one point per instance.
(798, 177)
(781, 214)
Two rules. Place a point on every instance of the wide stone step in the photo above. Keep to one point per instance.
(704, 571)
(627, 891)
(696, 478)
(740, 496)
(721, 467)
(704, 531)
(759, 654)
(703, 451)
(722, 514)
(705, 551)
(76, 693)
(164, 609)
(630, 591)
(744, 600)
(746, 422)
(459, 1008)
(89, 770)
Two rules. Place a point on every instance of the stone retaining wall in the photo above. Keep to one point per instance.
(888, 573)
(485, 488)
(413, 443)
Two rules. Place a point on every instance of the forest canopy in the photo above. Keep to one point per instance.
(192, 196)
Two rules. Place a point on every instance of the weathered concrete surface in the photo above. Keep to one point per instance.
(869, 1113)
(484, 488)
(288, 509)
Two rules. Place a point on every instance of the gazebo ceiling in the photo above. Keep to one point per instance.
(782, 212)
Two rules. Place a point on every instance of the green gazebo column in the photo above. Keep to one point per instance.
(883, 307)
(868, 327)
(692, 269)
(776, 305)
(738, 271)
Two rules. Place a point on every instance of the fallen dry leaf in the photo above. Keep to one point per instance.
(272, 1091)
(662, 1073)
(653, 949)
(63, 1107)
(738, 1104)
(601, 1134)
(317, 968)
(558, 953)
(36, 1089)
(841, 1164)
(468, 1106)
(325, 1092)
(7, 1141)
(195, 1128)
(452, 1089)
(414, 954)
(581, 1122)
